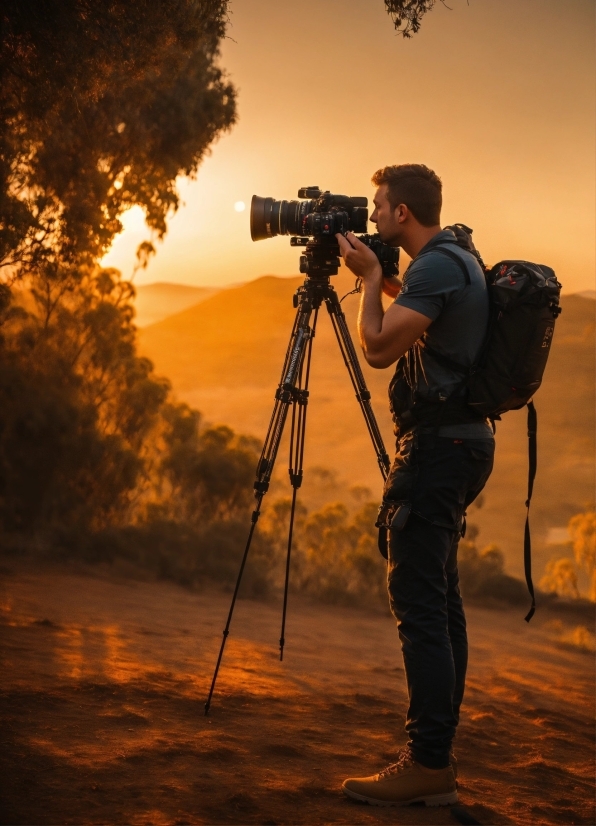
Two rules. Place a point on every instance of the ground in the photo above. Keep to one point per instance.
(104, 679)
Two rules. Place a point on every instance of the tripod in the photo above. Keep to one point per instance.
(319, 262)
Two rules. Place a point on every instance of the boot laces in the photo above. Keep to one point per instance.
(404, 759)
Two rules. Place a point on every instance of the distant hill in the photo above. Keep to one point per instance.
(155, 302)
(225, 355)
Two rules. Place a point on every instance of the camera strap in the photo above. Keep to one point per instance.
(357, 289)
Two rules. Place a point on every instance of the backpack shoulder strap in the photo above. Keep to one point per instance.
(442, 359)
(454, 257)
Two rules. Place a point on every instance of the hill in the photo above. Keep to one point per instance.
(224, 357)
(154, 302)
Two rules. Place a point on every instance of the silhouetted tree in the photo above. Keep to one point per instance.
(78, 404)
(482, 572)
(407, 14)
(102, 106)
(336, 558)
(210, 472)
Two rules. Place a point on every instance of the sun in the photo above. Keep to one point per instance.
(239, 206)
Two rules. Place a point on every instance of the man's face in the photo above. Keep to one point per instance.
(386, 218)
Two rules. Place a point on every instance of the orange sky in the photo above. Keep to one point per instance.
(497, 96)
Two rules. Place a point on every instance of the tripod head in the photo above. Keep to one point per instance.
(320, 258)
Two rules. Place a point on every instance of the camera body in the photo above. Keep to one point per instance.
(313, 223)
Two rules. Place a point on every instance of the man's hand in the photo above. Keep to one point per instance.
(384, 336)
(359, 258)
(364, 263)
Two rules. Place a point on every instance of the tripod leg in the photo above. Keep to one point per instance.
(254, 519)
(284, 396)
(295, 469)
(346, 346)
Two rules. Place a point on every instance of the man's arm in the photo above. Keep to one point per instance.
(384, 336)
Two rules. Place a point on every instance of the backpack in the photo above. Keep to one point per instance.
(524, 305)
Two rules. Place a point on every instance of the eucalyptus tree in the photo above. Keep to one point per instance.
(407, 14)
(103, 106)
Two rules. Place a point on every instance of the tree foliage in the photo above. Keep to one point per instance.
(78, 404)
(103, 105)
(407, 14)
(560, 577)
(96, 458)
(209, 472)
(482, 573)
(334, 557)
(582, 529)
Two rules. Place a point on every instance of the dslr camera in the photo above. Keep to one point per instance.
(313, 224)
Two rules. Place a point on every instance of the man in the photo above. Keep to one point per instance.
(435, 329)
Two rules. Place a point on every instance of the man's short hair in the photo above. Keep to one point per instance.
(416, 186)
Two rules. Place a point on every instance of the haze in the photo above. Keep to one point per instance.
(496, 96)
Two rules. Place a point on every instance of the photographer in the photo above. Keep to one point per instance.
(444, 457)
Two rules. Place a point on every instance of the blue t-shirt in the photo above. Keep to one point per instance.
(435, 286)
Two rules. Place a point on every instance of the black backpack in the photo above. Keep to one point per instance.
(524, 305)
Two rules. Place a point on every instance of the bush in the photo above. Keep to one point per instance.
(482, 575)
(334, 557)
(186, 554)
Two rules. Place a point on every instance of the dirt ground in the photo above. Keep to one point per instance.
(103, 682)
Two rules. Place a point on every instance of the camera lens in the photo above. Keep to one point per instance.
(260, 218)
(269, 217)
(290, 216)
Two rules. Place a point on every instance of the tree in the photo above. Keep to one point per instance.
(560, 578)
(582, 529)
(103, 105)
(407, 14)
(79, 406)
(210, 473)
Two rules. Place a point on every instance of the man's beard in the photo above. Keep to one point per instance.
(390, 238)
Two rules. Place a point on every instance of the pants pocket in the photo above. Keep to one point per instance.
(399, 482)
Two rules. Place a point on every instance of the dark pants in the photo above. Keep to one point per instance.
(440, 477)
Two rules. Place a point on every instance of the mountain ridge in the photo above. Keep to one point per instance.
(224, 357)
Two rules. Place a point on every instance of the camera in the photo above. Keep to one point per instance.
(313, 223)
(321, 214)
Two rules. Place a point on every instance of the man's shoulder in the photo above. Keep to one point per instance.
(438, 257)
(436, 268)
(443, 261)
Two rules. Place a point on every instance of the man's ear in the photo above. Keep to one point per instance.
(402, 213)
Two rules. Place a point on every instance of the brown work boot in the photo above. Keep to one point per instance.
(403, 783)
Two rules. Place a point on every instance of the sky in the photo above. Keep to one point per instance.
(497, 96)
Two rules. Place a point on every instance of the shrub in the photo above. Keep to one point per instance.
(482, 575)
